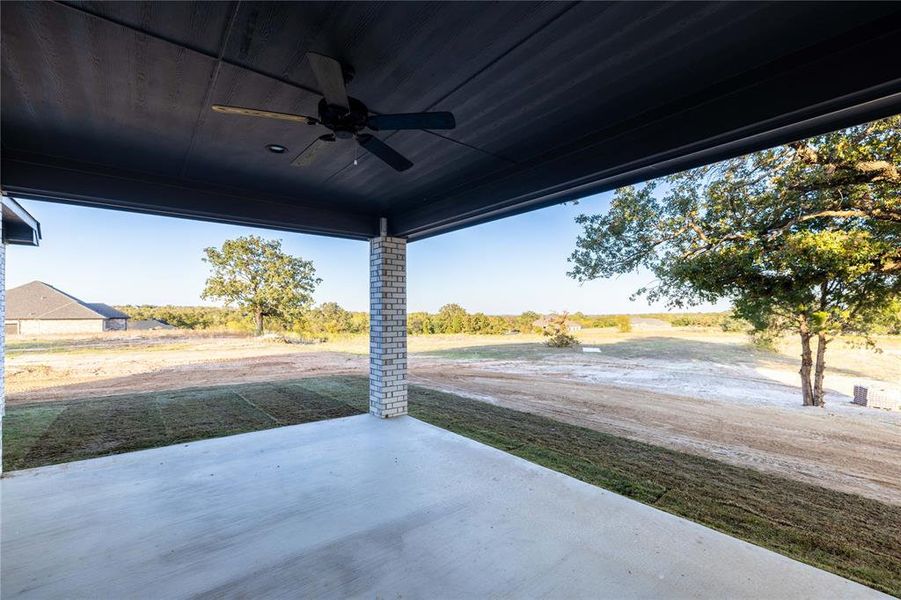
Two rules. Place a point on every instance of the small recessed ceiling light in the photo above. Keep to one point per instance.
(276, 148)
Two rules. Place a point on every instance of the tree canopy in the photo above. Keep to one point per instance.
(805, 238)
(257, 276)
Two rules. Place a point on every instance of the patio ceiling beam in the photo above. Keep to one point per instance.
(43, 178)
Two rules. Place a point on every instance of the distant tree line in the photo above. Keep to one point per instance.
(330, 319)
(190, 317)
(321, 321)
(453, 318)
(264, 288)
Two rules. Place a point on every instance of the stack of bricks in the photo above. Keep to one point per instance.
(860, 395)
(883, 398)
(388, 326)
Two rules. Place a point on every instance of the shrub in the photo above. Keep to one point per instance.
(730, 323)
(766, 340)
(557, 332)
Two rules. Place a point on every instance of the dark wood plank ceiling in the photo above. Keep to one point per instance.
(107, 103)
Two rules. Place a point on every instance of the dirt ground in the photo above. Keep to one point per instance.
(705, 393)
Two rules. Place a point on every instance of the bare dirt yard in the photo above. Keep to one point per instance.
(704, 392)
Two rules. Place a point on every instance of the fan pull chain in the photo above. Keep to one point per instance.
(356, 149)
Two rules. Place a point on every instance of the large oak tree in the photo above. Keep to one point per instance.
(803, 238)
(260, 278)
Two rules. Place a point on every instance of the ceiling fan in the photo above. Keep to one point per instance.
(347, 117)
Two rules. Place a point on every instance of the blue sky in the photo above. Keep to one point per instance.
(504, 267)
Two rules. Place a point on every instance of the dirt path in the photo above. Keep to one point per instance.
(41, 377)
(197, 374)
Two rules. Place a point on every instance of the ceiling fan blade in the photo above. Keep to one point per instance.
(383, 151)
(427, 120)
(266, 114)
(311, 152)
(330, 76)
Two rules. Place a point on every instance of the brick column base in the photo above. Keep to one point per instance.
(388, 326)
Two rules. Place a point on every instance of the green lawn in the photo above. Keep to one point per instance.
(55, 432)
(849, 535)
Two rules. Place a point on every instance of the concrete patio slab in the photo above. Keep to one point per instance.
(362, 507)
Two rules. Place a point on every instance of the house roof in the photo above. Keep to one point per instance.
(109, 103)
(106, 310)
(38, 300)
(19, 227)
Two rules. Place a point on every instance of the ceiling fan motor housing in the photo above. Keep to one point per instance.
(345, 123)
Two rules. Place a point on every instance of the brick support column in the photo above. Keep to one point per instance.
(2, 338)
(387, 326)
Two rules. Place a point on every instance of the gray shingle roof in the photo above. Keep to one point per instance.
(38, 300)
(106, 310)
(148, 324)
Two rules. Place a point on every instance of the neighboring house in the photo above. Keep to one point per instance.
(649, 323)
(39, 308)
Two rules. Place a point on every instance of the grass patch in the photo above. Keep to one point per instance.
(849, 535)
(56, 432)
(23, 428)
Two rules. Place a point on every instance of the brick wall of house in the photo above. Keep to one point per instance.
(50, 326)
(388, 327)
